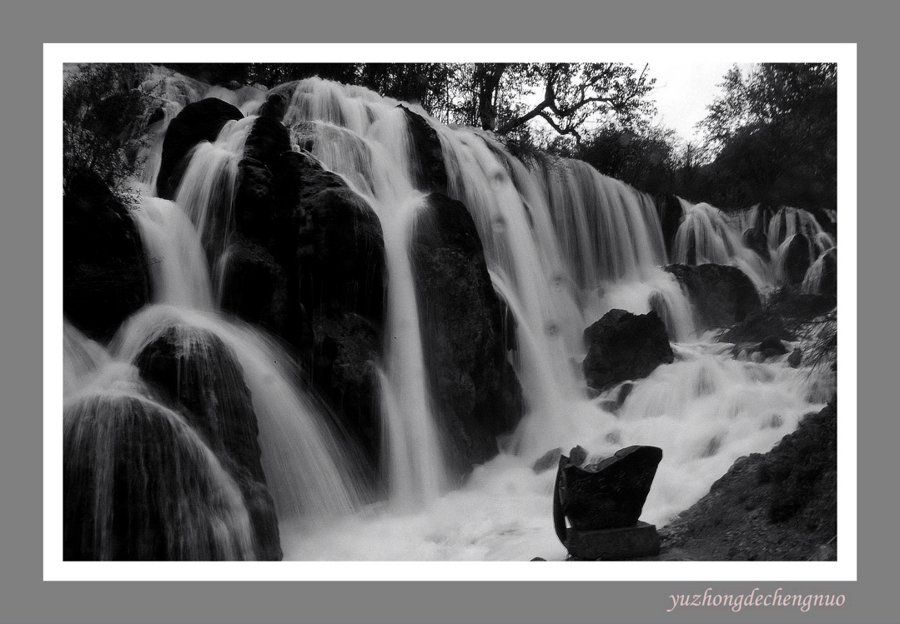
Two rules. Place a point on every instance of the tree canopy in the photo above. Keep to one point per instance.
(773, 133)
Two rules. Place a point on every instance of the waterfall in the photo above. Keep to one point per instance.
(206, 191)
(705, 236)
(372, 153)
(178, 269)
(562, 245)
(307, 472)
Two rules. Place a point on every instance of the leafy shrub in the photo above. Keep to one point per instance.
(105, 111)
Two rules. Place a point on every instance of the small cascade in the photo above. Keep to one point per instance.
(789, 221)
(179, 273)
(82, 359)
(207, 188)
(307, 471)
(706, 236)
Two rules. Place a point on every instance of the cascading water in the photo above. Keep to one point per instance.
(372, 154)
(179, 274)
(705, 236)
(206, 191)
(563, 245)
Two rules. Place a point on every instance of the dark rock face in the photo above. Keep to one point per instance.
(329, 247)
(777, 506)
(274, 107)
(796, 259)
(722, 295)
(756, 240)
(254, 286)
(771, 347)
(431, 171)
(335, 236)
(199, 121)
(623, 346)
(135, 458)
(547, 461)
(347, 349)
(194, 370)
(828, 282)
(607, 494)
(462, 333)
(105, 276)
(670, 212)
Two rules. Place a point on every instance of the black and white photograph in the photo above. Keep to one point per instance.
(461, 311)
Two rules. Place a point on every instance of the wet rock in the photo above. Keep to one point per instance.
(199, 121)
(547, 461)
(196, 372)
(105, 275)
(795, 358)
(722, 295)
(828, 280)
(254, 286)
(431, 173)
(267, 140)
(347, 351)
(139, 484)
(274, 107)
(334, 236)
(757, 240)
(463, 333)
(623, 346)
(606, 494)
(796, 259)
(670, 212)
(771, 347)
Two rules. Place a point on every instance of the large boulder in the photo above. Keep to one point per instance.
(139, 483)
(193, 370)
(428, 157)
(330, 245)
(462, 333)
(721, 295)
(274, 107)
(199, 121)
(256, 195)
(605, 494)
(623, 346)
(254, 286)
(105, 275)
(334, 236)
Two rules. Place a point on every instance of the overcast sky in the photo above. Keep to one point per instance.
(684, 90)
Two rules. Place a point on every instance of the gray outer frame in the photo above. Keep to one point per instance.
(23, 595)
